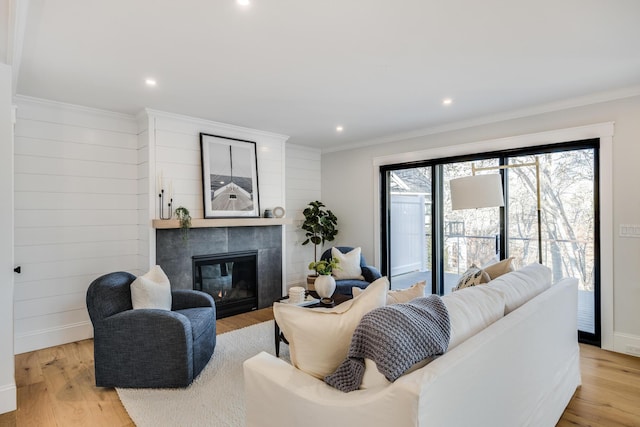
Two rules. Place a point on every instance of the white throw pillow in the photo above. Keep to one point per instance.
(499, 268)
(400, 295)
(474, 276)
(152, 290)
(521, 285)
(319, 338)
(349, 264)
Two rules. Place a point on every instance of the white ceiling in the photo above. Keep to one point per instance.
(300, 68)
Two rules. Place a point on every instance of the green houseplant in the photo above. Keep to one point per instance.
(323, 267)
(320, 225)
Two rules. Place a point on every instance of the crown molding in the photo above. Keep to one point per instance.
(567, 104)
(17, 99)
(305, 148)
(210, 123)
(554, 136)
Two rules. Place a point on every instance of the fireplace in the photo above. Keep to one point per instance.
(230, 278)
(176, 256)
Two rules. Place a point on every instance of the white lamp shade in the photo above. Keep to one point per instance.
(477, 191)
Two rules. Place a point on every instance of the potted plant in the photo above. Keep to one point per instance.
(323, 267)
(319, 226)
(325, 284)
(184, 218)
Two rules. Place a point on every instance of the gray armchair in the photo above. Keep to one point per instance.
(369, 272)
(149, 348)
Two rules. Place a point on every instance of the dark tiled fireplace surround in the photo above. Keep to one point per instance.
(174, 254)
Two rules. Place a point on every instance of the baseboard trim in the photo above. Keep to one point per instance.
(44, 338)
(8, 398)
(626, 343)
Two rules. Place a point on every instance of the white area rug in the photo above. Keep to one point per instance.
(216, 397)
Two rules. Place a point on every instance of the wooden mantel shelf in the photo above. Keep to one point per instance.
(222, 222)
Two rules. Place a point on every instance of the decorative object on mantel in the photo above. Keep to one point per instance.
(278, 212)
(268, 213)
(229, 177)
(320, 226)
(324, 283)
(161, 197)
(184, 217)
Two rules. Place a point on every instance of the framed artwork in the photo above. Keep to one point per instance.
(229, 177)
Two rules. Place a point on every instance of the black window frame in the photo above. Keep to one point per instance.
(437, 212)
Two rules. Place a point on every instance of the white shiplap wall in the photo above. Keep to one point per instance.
(85, 192)
(302, 187)
(174, 148)
(76, 214)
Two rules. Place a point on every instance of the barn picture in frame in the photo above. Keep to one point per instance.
(229, 177)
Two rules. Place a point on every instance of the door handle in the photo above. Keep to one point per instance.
(18, 269)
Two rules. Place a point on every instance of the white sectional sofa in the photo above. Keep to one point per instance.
(521, 370)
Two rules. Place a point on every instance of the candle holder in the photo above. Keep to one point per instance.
(169, 205)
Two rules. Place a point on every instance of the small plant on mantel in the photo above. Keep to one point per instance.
(184, 218)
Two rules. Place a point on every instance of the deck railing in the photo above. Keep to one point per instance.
(460, 250)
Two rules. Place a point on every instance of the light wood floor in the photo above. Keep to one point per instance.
(56, 387)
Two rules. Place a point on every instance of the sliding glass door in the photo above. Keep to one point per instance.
(568, 195)
(424, 239)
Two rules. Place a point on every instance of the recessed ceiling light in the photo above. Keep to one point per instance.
(339, 129)
(150, 82)
(243, 2)
(447, 101)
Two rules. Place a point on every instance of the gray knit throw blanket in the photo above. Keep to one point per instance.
(395, 337)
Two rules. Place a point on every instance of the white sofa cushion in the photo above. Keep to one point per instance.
(521, 285)
(399, 295)
(319, 338)
(151, 290)
(471, 310)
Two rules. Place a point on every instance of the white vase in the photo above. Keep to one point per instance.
(325, 285)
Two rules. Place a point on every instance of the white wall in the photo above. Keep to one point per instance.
(302, 186)
(7, 381)
(76, 214)
(352, 171)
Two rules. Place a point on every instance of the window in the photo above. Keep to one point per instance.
(424, 239)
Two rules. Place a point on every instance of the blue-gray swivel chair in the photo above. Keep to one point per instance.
(148, 348)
